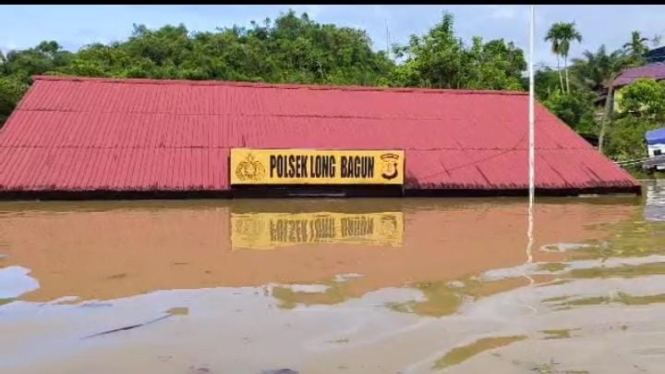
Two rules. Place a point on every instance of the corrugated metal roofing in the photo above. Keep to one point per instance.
(86, 134)
(652, 71)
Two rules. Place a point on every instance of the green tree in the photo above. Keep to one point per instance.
(556, 50)
(546, 82)
(290, 49)
(625, 139)
(561, 35)
(18, 67)
(574, 108)
(11, 91)
(439, 59)
(45, 57)
(642, 109)
(644, 99)
(637, 46)
(495, 65)
(434, 60)
(595, 71)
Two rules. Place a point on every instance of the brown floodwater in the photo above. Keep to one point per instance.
(339, 285)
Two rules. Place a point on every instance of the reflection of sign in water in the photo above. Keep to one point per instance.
(305, 166)
(270, 230)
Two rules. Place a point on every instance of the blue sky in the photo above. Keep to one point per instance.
(74, 26)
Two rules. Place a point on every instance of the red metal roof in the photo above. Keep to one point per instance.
(84, 134)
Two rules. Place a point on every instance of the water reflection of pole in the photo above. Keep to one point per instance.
(532, 151)
(532, 171)
(532, 179)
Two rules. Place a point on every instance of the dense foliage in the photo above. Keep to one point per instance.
(439, 59)
(581, 99)
(641, 108)
(574, 108)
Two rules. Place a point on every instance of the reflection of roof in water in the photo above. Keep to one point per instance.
(122, 252)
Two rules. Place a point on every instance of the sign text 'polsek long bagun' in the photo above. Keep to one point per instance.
(304, 166)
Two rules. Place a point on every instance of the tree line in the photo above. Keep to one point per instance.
(297, 49)
(578, 94)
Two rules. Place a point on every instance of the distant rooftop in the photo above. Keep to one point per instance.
(655, 55)
(654, 71)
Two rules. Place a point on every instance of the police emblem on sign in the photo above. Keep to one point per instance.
(389, 168)
(250, 169)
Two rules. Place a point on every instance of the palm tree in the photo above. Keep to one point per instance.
(562, 34)
(568, 34)
(552, 36)
(597, 71)
(637, 46)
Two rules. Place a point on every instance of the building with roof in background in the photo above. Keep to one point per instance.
(655, 71)
(655, 55)
(92, 137)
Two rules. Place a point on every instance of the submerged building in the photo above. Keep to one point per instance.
(90, 137)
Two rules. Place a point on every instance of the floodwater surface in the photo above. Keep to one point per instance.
(334, 286)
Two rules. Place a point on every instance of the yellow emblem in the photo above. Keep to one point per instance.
(389, 168)
(387, 225)
(250, 169)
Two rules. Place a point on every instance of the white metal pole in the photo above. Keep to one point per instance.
(532, 150)
(532, 171)
(387, 40)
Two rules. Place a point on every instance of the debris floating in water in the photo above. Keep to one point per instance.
(180, 311)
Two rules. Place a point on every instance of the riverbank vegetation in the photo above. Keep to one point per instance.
(296, 49)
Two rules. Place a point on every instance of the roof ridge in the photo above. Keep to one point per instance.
(273, 85)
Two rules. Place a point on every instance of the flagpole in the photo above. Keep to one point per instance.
(532, 150)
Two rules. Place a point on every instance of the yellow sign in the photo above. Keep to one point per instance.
(271, 230)
(304, 166)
